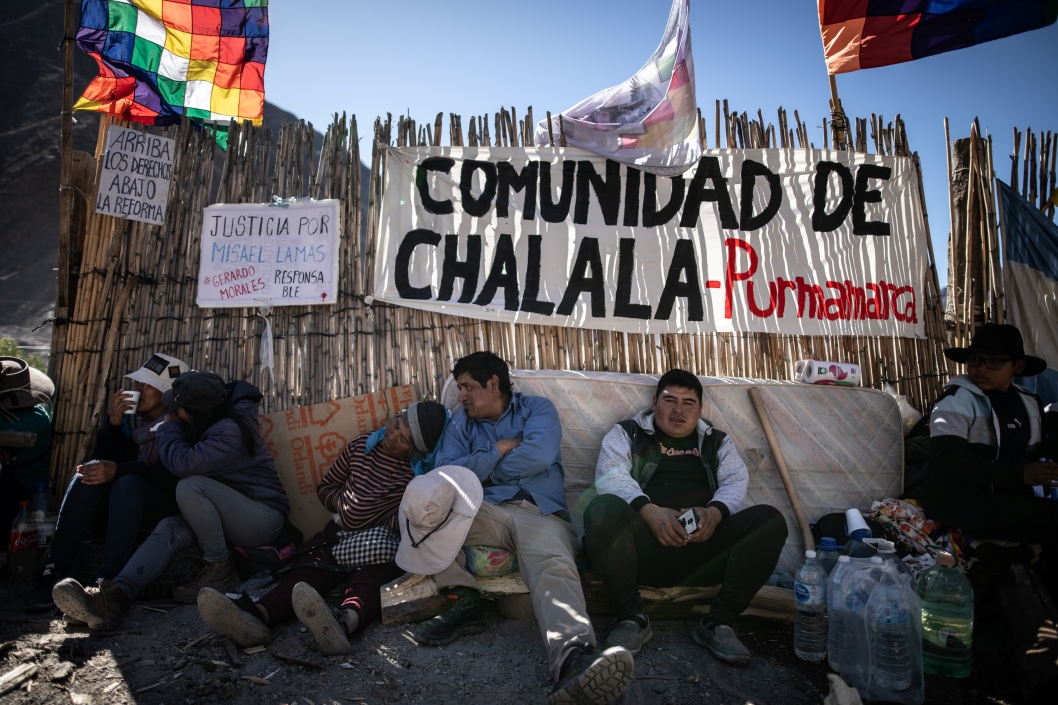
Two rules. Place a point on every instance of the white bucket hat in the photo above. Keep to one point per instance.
(435, 517)
(159, 372)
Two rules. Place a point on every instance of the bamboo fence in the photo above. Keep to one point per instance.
(135, 285)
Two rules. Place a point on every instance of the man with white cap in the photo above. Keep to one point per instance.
(499, 482)
(125, 473)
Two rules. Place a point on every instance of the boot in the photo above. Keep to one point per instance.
(219, 576)
(462, 615)
(229, 617)
(100, 607)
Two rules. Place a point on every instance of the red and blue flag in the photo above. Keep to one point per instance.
(863, 34)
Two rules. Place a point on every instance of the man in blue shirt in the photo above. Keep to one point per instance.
(511, 442)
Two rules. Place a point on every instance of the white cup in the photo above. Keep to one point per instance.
(135, 398)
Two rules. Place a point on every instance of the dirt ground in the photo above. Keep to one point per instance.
(164, 654)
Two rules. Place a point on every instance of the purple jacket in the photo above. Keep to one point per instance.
(221, 454)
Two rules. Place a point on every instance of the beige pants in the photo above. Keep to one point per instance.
(546, 546)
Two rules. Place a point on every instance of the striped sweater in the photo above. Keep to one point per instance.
(365, 490)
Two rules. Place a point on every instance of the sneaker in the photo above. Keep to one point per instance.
(631, 634)
(721, 642)
(219, 576)
(593, 679)
(324, 620)
(224, 615)
(99, 607)
(462, 615)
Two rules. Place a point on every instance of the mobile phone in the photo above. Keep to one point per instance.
(689, 521)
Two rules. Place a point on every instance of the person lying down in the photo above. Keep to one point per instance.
(354, 551)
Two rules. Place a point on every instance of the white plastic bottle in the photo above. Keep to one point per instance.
(810, 595)
(835, 619)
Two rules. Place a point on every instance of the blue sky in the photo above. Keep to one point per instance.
(472, 56)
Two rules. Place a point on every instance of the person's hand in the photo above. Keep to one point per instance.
(1041, 472)
(664, 524)
(119, 404)
(173, 415)
(506, 445)
(98, 473)
(708, 519)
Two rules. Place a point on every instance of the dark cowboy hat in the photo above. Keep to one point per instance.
(996, 339)
(22, 386)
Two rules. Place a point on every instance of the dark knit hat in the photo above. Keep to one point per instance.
(198, 390)
(426, 421)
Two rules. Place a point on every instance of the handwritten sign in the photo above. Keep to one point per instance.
(134, 183)
(305, 442)
(257, 254)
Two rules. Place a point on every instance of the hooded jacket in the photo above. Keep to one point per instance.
(221, 454)
(627, 464)
(964, 435)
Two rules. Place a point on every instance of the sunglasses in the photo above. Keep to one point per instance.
(992, 363)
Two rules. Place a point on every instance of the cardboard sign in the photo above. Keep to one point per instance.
(134, 183)
(259, 254)
(788, 241)
(306, 440)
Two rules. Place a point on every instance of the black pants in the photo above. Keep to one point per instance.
(740, 556)
(1002, 516)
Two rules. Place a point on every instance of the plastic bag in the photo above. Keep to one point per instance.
(490, 562)
(873, 593)
(909, 415)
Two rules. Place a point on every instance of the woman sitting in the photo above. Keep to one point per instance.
(125, 474)
(229, 493)
(363, 489)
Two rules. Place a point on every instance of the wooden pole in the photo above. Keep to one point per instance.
(784, 471)
(66, 192)
(837, 121)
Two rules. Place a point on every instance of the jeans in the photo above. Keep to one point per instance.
(740, 556)
(361, 590)
(131, 496)
(212, 513)
(546, 546)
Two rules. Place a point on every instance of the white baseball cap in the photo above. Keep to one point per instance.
(159, 372)
(435, 517)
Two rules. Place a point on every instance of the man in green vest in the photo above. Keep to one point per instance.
(672, 511)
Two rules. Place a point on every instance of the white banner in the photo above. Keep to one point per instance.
(793, 241)
(260, 254)
(134, 182)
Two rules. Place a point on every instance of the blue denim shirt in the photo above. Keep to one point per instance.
(535, 465)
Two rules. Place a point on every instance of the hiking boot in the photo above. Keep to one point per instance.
(462, 615)
(595, 679)
(224, 615)
(632, 634)
(721, 642)
(324, 620)
(219, 576)
(100, 607)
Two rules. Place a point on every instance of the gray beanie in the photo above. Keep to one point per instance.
(426, 421)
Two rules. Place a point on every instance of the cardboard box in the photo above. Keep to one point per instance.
(306, 440)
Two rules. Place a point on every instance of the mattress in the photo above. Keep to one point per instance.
(843, 446)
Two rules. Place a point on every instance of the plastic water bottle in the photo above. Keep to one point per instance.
(810, 594)
(22, 547)
(947, 619)
(828, 554)
(887, 552)
(836, 623)
(44, 512)
(890, 656)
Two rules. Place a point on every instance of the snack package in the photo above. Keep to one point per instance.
(489, 562)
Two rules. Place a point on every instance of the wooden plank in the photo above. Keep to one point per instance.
(410, 598)
(17, 676)
(416, 597)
